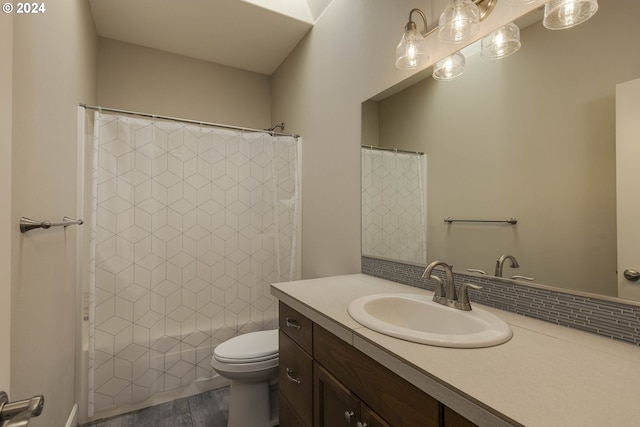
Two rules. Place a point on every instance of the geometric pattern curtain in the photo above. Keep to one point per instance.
(393, 206)
(190, 226)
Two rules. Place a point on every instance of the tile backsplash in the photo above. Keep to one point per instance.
(613, 319)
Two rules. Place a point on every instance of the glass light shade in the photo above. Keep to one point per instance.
(410, 52)
(502, 42)
(450, 67)
(519, 2)
(561, 14)
(459, 22)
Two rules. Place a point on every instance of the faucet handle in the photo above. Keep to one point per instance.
(463, 296)
(518, 277)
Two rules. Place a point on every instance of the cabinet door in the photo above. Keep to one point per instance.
(334, 404)
(370, 418)
(396, 400)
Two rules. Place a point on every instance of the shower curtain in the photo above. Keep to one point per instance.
(190, 226)
(393, 205)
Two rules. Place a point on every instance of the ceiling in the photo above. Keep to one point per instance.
(253, 35)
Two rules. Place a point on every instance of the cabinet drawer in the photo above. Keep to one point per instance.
(397, 401)
(296, 378)
(453, 419)
(288, 417)
(297, 327)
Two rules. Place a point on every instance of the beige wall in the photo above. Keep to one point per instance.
(137, 78)
(370, 123)
(6, 64)
(530, 136)
(345, 59)
(317, 92)
(54, 57)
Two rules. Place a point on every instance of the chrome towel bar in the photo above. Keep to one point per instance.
(27, 224)
(511, 220)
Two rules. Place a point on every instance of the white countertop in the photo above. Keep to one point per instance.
(546, 375)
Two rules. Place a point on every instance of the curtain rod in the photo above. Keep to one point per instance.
(176, 119)
(395, 150)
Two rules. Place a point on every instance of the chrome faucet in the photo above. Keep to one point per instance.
(500, 263)
(445, 293)
(446, 290)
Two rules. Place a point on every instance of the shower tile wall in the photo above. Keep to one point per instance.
(186, 245)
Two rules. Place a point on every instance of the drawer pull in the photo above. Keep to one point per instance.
(292, 323)
(291, 378)
(361, 424)
(349, 416)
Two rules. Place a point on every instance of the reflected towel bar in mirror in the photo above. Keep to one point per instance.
(27, 224)
(511, 220)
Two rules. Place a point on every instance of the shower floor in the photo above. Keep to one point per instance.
(207, 409)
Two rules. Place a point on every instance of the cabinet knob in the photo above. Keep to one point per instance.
(349, 416)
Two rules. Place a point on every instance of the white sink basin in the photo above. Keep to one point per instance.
(418, 319)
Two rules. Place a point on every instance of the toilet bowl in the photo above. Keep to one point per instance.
(250, 361)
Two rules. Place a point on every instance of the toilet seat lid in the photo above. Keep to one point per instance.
(250, 347)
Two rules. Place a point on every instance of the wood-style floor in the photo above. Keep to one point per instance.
(207, 409)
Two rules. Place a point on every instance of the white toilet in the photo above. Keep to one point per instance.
(250, 361)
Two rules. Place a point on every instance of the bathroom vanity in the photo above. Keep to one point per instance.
(333, 371)
(337, 384)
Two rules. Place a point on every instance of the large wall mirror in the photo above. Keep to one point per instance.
(530, 136)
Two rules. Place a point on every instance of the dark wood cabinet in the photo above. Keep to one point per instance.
(326, 382)
(394, 399)
(296, 368)
(335, 405)
(453, 419)
(289, 417)
(370, 418)
(298, 327)
(296, 379)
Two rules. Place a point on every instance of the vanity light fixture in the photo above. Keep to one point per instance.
(410, 52)
(457, 24)
(519, 2)
(450, 67)
(460, 21)
(501, 43)
(562, 14)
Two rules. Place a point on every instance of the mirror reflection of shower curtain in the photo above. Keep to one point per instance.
(394, 206)
(191, 225)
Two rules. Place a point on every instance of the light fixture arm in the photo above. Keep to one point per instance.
(412, 25)
(485, 6)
